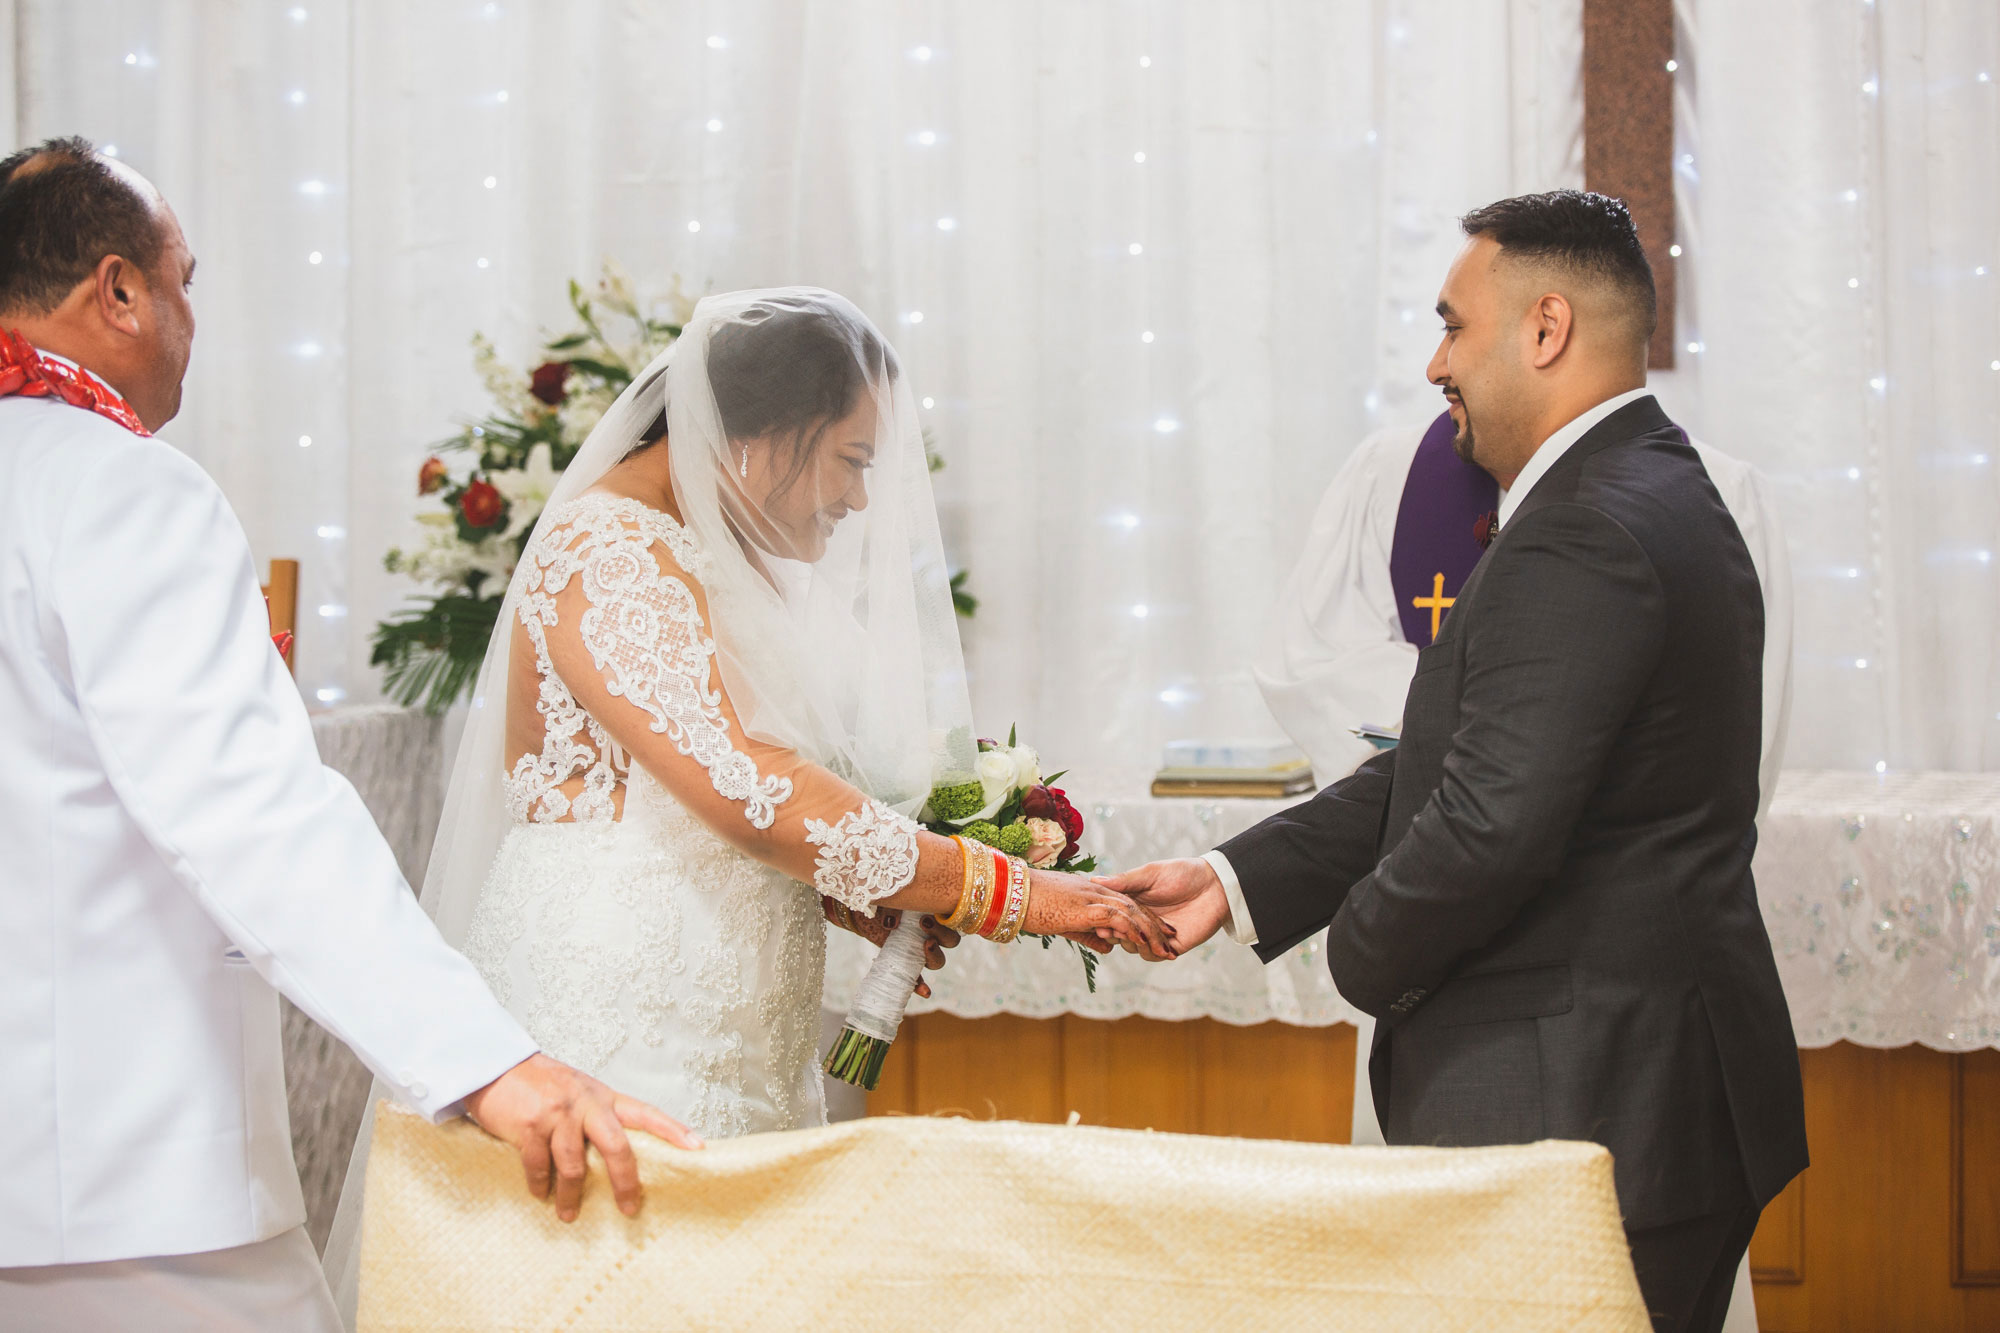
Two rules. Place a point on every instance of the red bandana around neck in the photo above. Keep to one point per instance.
(29, 373)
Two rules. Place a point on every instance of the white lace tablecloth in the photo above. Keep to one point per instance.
(1882, 895)
(394, 758)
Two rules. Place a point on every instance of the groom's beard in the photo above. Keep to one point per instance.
(1461, 443)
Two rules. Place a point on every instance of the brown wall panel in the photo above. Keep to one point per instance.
(1975, 1173)
(1135, 1074)
(1777, 1251)
(1274, 1081)
(1628, 132)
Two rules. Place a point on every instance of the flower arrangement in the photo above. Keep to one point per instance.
(1004, 803)
(487, 485)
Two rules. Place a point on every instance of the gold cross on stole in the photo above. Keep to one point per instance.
(1436, 603)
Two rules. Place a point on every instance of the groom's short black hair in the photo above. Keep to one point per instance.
(62, 210)
(1586, 234)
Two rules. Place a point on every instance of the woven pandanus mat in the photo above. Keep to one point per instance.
(934, 1224)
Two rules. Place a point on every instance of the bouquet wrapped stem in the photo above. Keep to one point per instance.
(1006, 805)
(857, 1056)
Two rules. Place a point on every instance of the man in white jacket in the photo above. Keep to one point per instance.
(176, 855)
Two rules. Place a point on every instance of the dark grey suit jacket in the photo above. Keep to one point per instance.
(1544, 891)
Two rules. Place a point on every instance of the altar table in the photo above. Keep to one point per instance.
(1882, 895)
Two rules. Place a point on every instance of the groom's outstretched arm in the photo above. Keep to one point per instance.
(1569, 627)
(1295, 868)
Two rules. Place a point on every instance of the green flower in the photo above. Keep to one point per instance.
(984, 831)
(953, 800)
(1015, 839)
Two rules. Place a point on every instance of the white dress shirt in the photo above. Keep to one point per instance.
(176, 856)
(1557, 445)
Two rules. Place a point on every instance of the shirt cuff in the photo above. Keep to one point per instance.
(500, 1052)
(1240, 927)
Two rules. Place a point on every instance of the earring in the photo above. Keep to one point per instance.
(746, 462)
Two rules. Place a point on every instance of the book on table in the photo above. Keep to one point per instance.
(1268, 769)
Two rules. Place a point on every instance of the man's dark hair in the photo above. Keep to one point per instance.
(62, 210)
(1590, 235)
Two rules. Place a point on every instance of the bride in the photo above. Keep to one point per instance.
(724, 679)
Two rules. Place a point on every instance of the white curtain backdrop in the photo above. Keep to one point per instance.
(1846, 255)
(1158, 265)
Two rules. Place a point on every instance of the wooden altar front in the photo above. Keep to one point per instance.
(1895, 1226)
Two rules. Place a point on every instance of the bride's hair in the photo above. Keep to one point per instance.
(785, 374)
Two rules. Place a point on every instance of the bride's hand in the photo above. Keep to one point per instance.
(1094, 916)
(875, 929)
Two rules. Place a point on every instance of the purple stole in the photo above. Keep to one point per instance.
(1434, 549)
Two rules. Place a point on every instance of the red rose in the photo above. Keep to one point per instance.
(431, 476)
(1051, 803)
(481, 505)
(548, 382)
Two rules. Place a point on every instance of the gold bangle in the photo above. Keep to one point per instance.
(1018, 903)
(1015, 912)
(968, 895)
(983, 887)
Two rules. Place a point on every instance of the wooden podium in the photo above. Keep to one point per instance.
(281, 597)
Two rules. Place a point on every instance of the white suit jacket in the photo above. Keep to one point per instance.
(174, 851)
(1338, 658)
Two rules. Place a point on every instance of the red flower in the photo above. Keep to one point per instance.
(481, 505)
(1051, 803)
(549, 381)
(431, 476)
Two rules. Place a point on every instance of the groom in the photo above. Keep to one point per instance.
(175, 853)
(1544, 891)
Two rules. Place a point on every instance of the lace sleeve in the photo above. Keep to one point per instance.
(868, 855)
(644, 632)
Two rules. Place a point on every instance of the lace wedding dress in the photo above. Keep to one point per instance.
(633, 939)
(691, 727)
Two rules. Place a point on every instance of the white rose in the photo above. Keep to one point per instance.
(995, 771)
(1027, 766)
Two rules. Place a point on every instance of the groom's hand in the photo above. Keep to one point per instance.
(1186, 894)
(549, 1111)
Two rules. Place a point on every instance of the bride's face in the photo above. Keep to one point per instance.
(804, 487)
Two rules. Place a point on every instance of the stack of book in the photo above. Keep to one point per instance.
(1267, 769)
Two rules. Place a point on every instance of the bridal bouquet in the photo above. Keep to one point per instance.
(486, 486)
(1005, 804)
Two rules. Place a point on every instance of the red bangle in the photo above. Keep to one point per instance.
(998, 908)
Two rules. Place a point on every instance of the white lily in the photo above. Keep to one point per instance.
(527, 489)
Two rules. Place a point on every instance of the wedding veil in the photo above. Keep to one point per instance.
(830, 606)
